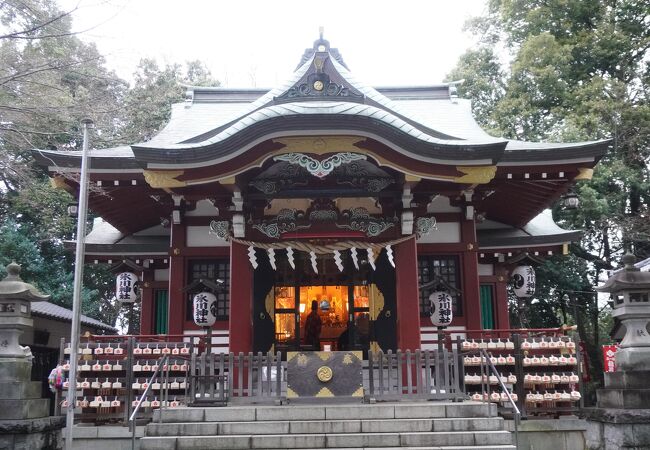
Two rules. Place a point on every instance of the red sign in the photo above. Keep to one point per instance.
(609, 354)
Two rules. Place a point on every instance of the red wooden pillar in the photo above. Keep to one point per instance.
(177, 280)
(408, 296)
(471, 292)
(146, 308)
(240, 324)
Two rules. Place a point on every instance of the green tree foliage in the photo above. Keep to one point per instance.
(484, 81)
(148, 103)
(49, 80)
(577, 70)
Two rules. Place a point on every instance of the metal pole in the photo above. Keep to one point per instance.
(78, 282)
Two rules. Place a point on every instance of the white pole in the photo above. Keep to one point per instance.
(78, 283)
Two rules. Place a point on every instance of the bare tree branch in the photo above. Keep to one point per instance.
(22, 33)
(40, 133)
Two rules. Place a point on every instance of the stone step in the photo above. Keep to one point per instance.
(324, 426)
(329, 412)
(469, 439)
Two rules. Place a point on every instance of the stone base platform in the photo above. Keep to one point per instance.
(609, 429)
(29, 434)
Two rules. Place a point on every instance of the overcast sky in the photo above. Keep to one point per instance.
(259, 43)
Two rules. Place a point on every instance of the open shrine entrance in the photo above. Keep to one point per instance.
(343, 311)
(356, 307)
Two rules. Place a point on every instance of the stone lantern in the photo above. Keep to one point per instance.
(630, 289)
(15, 312)
(24, 415)
(622, 416)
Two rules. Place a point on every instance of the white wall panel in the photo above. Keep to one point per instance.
(486, 270)
(199, 236)
(446, 232)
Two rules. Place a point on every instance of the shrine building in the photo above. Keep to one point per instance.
(324, 189)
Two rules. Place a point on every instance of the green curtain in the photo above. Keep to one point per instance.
(487, 307)
(161, 307)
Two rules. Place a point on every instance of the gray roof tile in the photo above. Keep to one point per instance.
(47, 309)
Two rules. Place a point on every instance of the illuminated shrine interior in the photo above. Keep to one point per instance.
(334, 309)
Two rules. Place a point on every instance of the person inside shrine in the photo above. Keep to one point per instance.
(313, 327)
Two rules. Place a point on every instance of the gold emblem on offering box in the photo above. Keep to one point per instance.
(307, 374)
(324, 374)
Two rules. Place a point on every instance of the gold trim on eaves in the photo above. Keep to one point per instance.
(320, 145)
(164, 178)
(475, 174)
(584, 173)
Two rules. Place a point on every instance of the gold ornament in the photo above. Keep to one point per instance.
(302, 360)
(475, 174)
(584, 173)
(163, 178)
(324, 374)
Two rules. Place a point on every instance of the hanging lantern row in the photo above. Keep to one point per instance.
(442, 313)
(126, 287)
(252, 258)
(204, 309)
(523, 280)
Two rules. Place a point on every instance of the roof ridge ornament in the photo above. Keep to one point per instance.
(321, 45)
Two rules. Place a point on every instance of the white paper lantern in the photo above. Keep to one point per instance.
(126, 287)
(205, 309)
(441, 309)
(523, 280)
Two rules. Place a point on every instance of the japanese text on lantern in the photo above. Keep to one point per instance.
(205, 309)
(125, 284)
(441, 309)
(201, 310)
(126, 287)
(530, 281)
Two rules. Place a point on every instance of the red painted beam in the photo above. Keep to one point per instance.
(324, 235)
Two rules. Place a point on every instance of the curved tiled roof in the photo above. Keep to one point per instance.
(427, 123)
(541, 230)
(47, 309)
(323, 108)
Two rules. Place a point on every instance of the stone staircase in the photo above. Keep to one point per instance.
(425, 425)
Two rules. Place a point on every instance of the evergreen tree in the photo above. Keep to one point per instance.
(578, 70)
(49, 81)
